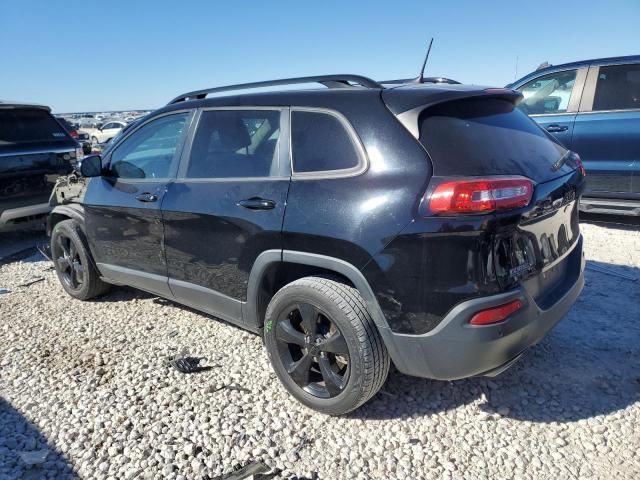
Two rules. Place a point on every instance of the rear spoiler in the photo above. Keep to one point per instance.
(408, 104)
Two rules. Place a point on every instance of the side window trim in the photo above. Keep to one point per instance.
(363, 159)
(588, 96)
(283, 147)
(176, 156)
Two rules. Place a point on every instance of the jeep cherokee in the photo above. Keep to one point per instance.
(434, 226)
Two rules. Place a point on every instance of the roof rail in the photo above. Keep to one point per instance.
(418, 80)
(330, 81)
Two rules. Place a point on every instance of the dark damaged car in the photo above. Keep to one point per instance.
(434, 226)
(34, 150)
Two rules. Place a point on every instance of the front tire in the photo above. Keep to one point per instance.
(73, 264)
(324, 345)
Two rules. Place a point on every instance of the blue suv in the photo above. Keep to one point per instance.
(593, 108)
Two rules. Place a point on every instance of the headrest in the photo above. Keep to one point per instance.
(232, 131)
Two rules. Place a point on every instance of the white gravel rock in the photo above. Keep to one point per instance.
(87, 382)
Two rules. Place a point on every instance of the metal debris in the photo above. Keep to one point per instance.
(256, 470)
(31, 282)
(4, 290)
(36, 457)
(45, 250)
(186, 364)
(231, 386)
(388, 394)
(303, 443)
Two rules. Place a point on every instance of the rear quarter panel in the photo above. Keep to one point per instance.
(353, 218)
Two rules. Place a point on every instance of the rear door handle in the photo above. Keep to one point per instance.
(557, 128)
(147, 197)
(257, 203)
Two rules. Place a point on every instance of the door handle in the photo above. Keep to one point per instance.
(147, 197)
(257, 203)
(557, 128)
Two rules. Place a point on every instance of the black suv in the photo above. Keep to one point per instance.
(34, 150)
(434, 226)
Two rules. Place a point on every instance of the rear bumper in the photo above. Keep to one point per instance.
(455, 349)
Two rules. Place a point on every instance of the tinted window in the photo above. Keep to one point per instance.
(235, 143)
(487, 137)
(320, 142)
(24, 127)
(149, 152)
(548, 94)
(618, 88)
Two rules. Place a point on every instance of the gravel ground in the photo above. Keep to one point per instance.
(87, 385)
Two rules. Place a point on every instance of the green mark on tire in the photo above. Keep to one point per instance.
(268, 325)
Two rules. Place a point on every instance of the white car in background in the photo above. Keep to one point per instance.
(106, 132)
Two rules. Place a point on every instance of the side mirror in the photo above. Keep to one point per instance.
(91, 166)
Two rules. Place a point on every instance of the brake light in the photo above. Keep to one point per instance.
(495, 314)
(579, 164)
(73, 133)
(481, 195)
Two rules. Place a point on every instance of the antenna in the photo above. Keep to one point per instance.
(420, 78)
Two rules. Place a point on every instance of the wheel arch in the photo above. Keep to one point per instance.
(65, 212)
(308, 264)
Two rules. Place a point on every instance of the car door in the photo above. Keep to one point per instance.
(607, 129)
(226, 206)
(552, 101)
(122, 207)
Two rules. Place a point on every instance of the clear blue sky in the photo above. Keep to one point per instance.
(113, 54)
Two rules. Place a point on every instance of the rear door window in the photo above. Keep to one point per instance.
(618, 88)
(235, 144)
(548, 94)
(29, 127)
(320, 142)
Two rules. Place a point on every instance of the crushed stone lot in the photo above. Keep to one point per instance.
(85, 391)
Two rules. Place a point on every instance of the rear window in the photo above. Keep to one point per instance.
(487, 136)
(29, 127)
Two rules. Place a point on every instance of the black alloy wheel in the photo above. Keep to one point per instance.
(73, 262)
(323, 344)
(67, 257)
(313, 350)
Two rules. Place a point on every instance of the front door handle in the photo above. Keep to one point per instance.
(557, 128)
(147, 197)
(257, 203)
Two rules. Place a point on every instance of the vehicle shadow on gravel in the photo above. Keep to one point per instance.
(25, 453)
(588, 366)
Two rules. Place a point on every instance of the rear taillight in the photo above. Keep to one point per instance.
(495, 314)
(73, 133)
(579, 164)
(480, 195)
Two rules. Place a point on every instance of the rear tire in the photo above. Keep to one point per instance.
(324, 345)
(73, 263)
